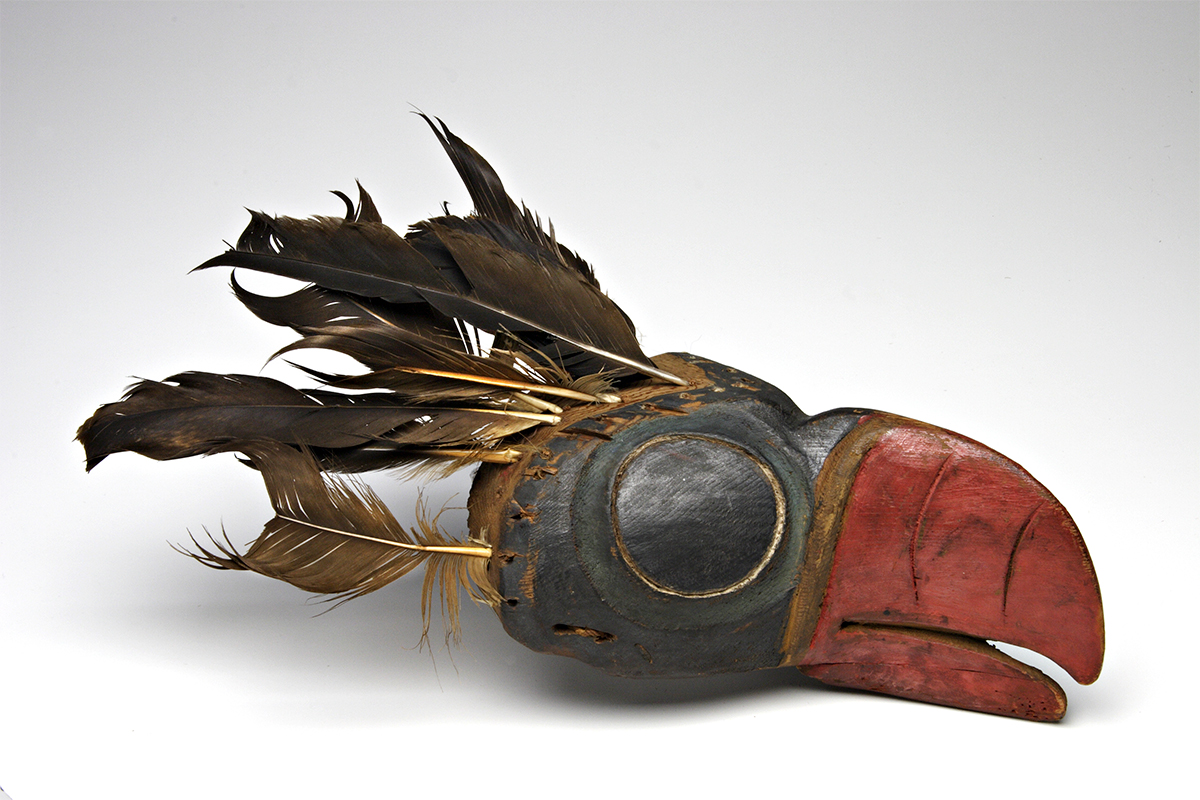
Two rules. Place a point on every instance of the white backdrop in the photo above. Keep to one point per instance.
(979, 215)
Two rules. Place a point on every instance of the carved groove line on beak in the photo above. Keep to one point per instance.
(1012, 556)
(919, 526)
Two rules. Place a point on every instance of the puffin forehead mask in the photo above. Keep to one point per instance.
(663, 516)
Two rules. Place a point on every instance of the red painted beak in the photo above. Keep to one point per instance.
(939, 545)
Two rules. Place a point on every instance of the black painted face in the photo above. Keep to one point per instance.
(667, 537)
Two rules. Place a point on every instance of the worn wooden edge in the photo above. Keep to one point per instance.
(943, 668)
(830, 494)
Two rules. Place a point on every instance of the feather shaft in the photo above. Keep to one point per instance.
(551, 419)
(539, 388)
(462, 550)
(508, 455)
(536, 403)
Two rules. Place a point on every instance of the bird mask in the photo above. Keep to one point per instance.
(664, 516)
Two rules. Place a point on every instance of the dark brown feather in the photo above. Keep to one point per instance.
(474, 270)
(367, 330)
(493, 203)
(194, 413)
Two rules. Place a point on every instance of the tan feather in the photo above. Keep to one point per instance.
(333, 535)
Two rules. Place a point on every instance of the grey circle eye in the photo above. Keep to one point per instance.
(696, 516)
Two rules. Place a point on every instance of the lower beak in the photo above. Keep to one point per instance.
(935, 545)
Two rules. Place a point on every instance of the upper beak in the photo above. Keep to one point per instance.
(933, 545)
